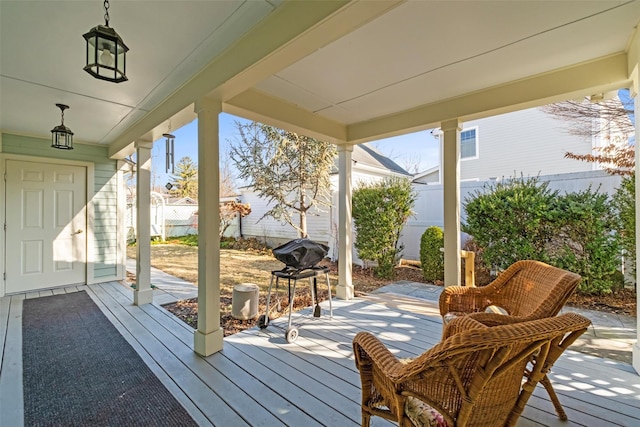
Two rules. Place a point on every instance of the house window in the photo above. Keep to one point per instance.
(468, 144)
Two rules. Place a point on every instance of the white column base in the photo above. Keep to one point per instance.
(345, 292)
(142, 296)
(206, 345)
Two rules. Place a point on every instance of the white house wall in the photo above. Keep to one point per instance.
(529, 142)
(275, 232)
(105, 199)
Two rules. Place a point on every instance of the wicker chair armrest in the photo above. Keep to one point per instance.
(460, 324)
(462, 299)
(495, 319)
(369, 350)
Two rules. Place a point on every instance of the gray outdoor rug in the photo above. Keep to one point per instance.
(79, 371)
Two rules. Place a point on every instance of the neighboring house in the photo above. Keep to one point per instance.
(368, 165)
(523, 143)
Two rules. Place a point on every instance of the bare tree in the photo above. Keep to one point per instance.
(409, 161)
(227, 183)
(229, 211)
(291, 171)
(609, 120)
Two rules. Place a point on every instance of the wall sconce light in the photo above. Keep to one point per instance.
(61, 136)
(169, 152)
(106, 52)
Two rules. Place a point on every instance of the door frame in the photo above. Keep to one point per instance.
(89, 208)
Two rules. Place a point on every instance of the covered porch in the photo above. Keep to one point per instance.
(260, 379)
(343, 71)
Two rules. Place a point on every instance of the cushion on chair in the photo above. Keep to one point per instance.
(422, 414)
(447, 318)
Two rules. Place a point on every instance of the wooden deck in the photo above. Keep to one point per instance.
(261, 380)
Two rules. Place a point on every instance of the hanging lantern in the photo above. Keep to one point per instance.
(61, 136)
(106, 52)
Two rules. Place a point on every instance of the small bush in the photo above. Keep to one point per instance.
(380, 210)
(431, 257)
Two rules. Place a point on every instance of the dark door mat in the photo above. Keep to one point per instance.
(79, 371)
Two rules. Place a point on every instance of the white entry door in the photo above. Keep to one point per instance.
(46, 238)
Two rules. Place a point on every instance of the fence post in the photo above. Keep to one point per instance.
(469, 267)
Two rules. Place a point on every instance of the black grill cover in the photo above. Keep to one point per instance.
(301, 253)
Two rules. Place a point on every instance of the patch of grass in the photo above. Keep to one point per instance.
(189, 240)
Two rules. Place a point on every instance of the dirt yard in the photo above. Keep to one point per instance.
(255, 266)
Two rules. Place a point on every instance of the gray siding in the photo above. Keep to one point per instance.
(105, 198)
(528, 142)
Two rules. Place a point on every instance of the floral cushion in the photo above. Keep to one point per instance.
(422, 414)
(419, 412)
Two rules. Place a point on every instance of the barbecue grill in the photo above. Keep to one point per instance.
(300, 257)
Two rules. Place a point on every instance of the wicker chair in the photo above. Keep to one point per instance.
(527, 290)
(473, 378)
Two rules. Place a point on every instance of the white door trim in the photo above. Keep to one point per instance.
(90, 184)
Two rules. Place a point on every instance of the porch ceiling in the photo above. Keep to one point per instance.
(342, 70)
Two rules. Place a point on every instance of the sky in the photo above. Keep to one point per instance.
(415, 152)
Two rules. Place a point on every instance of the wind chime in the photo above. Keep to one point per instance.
(169, 153)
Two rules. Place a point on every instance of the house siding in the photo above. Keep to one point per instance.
(275, 232)
(105, 197)
(528, 142)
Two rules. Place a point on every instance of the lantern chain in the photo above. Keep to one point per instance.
(106, 12)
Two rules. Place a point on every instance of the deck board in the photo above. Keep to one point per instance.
(11, 398)
(167, 355)
(141, 344)
(259, 379)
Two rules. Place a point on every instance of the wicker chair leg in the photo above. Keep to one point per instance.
(554, 398)
(366, 418)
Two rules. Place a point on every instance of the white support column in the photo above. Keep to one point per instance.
(450, 138)
(121, 229)
(208, 337)
(636, 106)
(143, 293)
(344, 289)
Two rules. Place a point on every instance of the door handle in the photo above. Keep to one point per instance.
(78, 232)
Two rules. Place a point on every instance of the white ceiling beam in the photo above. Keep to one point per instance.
(261, 107)
(601, 75)
(294, 30)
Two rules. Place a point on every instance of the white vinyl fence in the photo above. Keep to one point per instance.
(174, 219)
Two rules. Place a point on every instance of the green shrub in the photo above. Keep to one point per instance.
(380, 210)
(624, 203)
(585, 241)
(431, 257)
(523, 219)
(511, 220)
